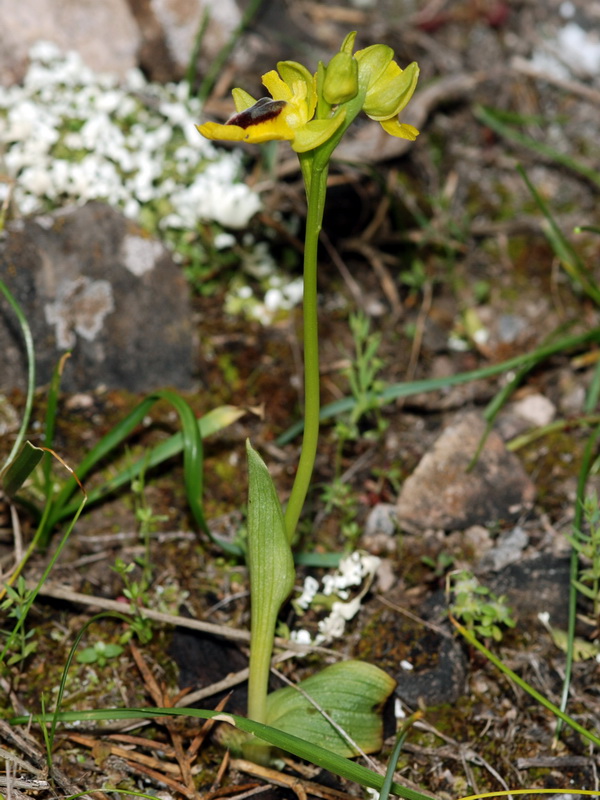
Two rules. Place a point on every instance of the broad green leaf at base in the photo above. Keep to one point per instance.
(350, 692)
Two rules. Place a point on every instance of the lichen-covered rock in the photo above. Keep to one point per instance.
(91, 281)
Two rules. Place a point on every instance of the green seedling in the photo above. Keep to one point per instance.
(137, 594)
(23, 643)
(482, 612)
(99, 653)
(440, 564)
(362, 375)
(586, 544)
(147, 521)
(340, 498)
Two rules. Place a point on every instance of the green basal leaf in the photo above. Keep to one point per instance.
(21, 468)
(269, 555)
(350, 692)
(272, 574)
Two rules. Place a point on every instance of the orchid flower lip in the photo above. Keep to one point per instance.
(262, 111)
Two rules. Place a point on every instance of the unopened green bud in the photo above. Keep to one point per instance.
(341, 79)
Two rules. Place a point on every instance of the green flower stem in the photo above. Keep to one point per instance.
(314, 169)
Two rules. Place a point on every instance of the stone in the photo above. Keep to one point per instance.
(508, 550)
(441, 675)
(170, 28)
(535, 409)
(443, 494)
(537, 584)
(91, 281)
(104, 34)
(428, 661)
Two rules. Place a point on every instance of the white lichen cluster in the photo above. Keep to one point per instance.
(356, 570)
(69, 135)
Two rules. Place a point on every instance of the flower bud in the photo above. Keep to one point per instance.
(341, 79)
(372, 63)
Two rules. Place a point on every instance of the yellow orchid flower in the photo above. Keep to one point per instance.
(287, 116)
(388, 88)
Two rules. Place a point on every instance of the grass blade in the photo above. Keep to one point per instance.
(405, 389)
(29, 350)
(189, 440)
(492, 119)
(564, 250)
(292, 744)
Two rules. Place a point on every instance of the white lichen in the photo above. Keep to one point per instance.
(68, 134)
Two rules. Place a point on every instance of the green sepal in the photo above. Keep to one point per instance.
(392, 92)
(292, 71)
(372, 63)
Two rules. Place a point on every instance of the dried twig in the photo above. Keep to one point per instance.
(302, 788)
(226, 632)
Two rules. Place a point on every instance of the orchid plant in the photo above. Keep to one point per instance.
(312, 112)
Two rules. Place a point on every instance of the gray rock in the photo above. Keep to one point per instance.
(91, 281)
(442, 493)
(534, 585)
(381, 519)
(104, 34)
(508, 550)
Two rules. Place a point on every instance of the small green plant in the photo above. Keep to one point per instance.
(414, 278)
(440, 564)
(365, 386)
(340, 498)
(136, 591)
(587, 546)
(99, 653)
(21, 643)
(482, 612)
(147, 521)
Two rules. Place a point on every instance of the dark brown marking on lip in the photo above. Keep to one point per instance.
(262, 111)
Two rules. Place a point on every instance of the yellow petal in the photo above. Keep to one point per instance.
(292, 71)
(296, 75)
(400, 130)
(278, 89)
(275, 128)
(212, 130)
